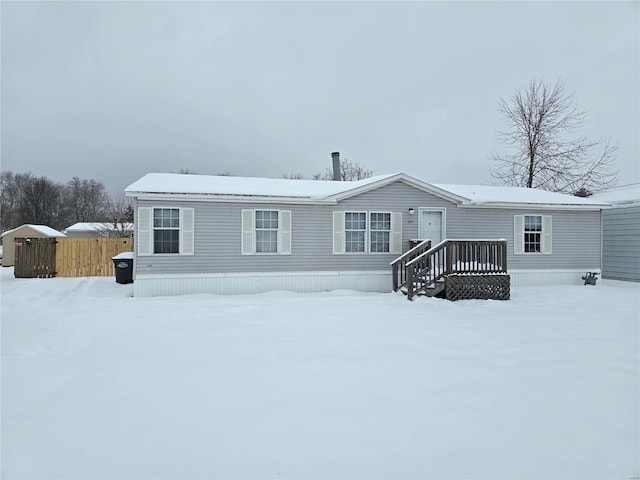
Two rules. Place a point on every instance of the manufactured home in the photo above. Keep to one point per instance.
(221, 234)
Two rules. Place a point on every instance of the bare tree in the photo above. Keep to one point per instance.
(119, 213)
(543, 153)
(293, 176)
(349, 171)
(40, 202)
(85, 200)
(12, 187)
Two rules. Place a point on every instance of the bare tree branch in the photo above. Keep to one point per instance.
(119, 213)
(349, 171)
(540, 119)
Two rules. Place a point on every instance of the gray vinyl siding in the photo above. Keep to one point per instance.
(621, 243)
(576, 235)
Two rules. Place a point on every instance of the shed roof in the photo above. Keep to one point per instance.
(95, 227)
(154, 184)
(42, 229)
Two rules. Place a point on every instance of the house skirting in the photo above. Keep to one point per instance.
(544, 278)
(306, 282)
(260, 282)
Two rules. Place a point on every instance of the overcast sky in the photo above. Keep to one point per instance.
(114, 90)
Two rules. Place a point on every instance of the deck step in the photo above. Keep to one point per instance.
(434, 290)
(431, 291)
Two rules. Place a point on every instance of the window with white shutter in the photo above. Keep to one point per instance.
(532, 234)
(266, 232)
(165, 230)
(367, 232)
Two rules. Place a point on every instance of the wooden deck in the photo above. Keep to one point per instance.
(479, 267)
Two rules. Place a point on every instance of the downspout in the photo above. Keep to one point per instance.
(601, 245)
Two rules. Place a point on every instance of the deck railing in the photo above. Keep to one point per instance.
(398, 266)
(453, 257)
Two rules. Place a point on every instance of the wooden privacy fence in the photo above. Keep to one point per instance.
(89, 257)
(35, 258)
(68, 257)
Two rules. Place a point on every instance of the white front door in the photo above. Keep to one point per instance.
(431, 226)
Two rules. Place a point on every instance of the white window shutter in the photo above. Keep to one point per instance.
(284, 232)
(338, 232)
(518, 234)
(187, 231)
(144, 237)
(395, 239)
(546, 234)
(248, 232)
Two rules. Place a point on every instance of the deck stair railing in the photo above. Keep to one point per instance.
(398, 266)
(425, 272)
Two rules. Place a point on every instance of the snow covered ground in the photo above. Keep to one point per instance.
(97, 384)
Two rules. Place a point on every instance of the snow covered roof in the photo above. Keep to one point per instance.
(95, 227)
(43, 229)
(622, 195)
(489, 195)
(170, 183)
(153, 185)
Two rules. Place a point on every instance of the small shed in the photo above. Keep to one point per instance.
(621, 233)
(26, 231)
(99, 230)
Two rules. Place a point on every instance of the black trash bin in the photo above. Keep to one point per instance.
(123, 263)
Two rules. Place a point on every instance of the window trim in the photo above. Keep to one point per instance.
(366, 232)
(256, 230)
(155, 229)
(537, 242)
(370, 231)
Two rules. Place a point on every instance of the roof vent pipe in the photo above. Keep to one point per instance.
(335, 156)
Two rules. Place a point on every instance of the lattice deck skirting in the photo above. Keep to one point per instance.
(482, 287)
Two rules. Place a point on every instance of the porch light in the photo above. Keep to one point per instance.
(411, 211)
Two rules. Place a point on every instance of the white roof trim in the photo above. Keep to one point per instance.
(543, 206)
(194, 197)
(414, 182)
